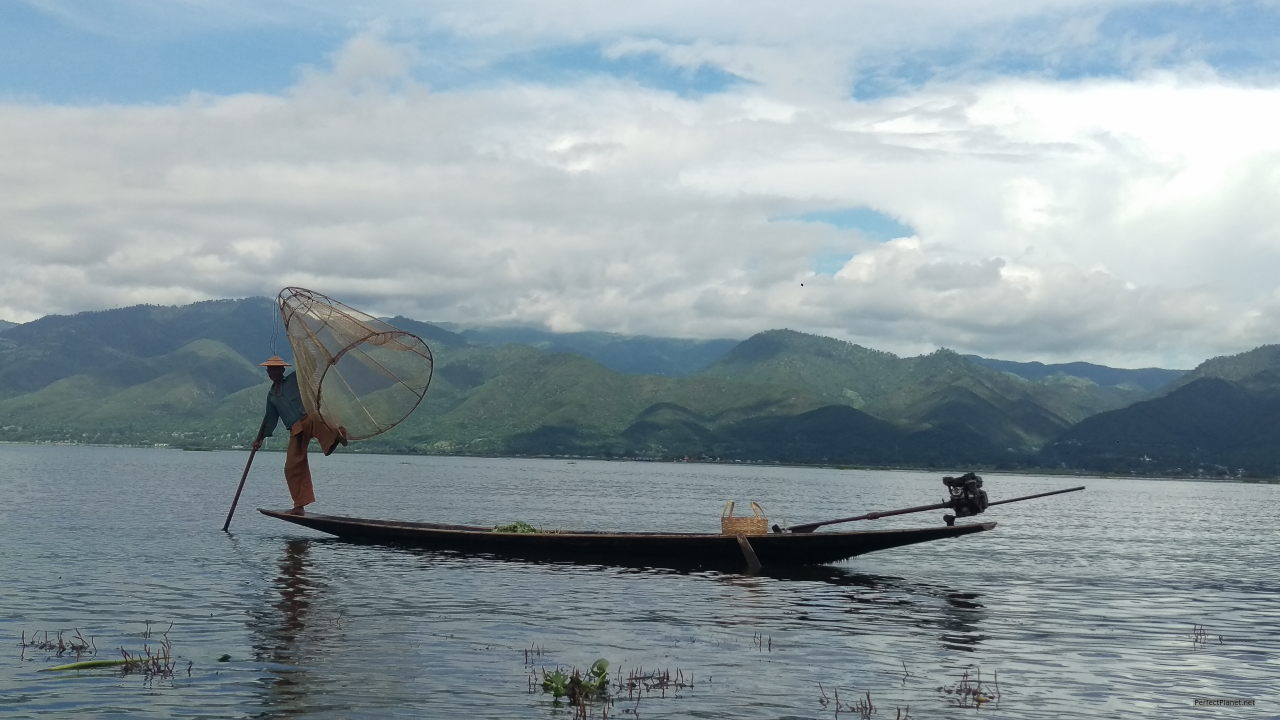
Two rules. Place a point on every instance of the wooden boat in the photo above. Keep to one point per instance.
(650, 549)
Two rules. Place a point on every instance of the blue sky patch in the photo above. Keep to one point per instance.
(60, 63)
(1236, 39)
(570, 63)
(871, 223)
(829, 263)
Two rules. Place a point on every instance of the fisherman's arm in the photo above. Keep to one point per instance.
(268, 426)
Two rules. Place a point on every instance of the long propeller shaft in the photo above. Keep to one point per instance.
(810, 527)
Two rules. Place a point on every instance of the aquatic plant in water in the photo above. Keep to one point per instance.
(579, 690)
(151, 662)
(574, 686)
(1199, 636)
(861, 706)
(78, 646)
(971, 692)
(591, 691)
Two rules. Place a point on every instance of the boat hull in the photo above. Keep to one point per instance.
(673, 550)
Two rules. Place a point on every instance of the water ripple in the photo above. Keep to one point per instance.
(1132, 599)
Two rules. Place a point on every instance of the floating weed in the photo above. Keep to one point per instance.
(531, 652)
(861, 706)
(763, 643)
(151, 662)
(60, 645)
(1199, 636)
(582, 692)
(594, 690)
(970, 692)
(147, 632)
(638, 682)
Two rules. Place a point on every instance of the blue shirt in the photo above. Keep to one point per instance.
(284, 403)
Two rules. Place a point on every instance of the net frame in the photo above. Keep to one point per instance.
(326, 333)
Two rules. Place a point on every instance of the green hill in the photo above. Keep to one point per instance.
(935, 390)
(1218, 420)
(633, 355)
(38, 353)
(188, 376)
(1258, 368)
(1143, 379)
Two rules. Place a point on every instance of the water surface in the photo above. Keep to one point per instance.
(1131, 599)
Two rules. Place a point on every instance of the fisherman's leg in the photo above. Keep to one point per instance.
(327, 435)
(297, 472)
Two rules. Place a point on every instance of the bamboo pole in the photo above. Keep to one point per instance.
(236, 499)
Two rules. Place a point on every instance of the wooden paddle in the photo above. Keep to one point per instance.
(810, 527)
(236, 499)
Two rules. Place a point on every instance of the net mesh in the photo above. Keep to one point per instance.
(353, 369)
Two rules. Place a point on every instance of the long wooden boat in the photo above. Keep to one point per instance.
(667, 550)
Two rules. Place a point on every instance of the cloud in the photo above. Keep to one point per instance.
(1122, 219)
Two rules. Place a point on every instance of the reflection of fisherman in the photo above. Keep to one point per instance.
(296, 590)
(284, 404)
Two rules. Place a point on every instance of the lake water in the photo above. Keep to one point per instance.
(1132, 599)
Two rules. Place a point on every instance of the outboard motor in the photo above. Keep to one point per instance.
(967, 496)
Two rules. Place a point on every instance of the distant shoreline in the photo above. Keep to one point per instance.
(761, 463)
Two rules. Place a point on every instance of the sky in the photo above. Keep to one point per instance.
(1032, 180)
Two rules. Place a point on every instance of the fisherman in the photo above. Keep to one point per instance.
(284, 404)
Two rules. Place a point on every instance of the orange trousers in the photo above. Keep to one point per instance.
(297, 472)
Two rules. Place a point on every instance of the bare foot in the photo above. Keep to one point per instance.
(296, 511)
(340, 440)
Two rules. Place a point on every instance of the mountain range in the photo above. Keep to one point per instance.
(187, 376)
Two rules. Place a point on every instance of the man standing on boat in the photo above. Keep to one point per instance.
(284, 404)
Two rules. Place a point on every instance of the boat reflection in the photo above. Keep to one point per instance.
(302, 618)
(962, 615)
(957, 616)
(829, 574)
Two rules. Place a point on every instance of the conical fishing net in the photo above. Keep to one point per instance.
(353, 369)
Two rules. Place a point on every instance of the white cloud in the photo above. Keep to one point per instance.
(1123, 221)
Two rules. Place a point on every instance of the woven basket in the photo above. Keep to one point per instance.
(754, 524)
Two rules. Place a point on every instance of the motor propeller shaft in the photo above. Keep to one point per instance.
(967, 498)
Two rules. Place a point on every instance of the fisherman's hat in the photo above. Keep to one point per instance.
(274, 361)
